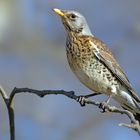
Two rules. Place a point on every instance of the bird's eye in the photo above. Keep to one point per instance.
(72, 16)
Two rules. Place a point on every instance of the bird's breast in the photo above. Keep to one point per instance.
(90, 71)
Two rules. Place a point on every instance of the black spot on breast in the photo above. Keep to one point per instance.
(108, 75)
(83, 50)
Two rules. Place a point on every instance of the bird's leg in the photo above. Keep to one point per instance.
(103, 104)
(81, 99)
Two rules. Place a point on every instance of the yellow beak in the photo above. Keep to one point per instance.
(59, 12)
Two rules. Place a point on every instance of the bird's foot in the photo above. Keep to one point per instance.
(81, 100)
(103, 106)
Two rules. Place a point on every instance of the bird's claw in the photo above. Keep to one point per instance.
(81, 100)
(102, 106)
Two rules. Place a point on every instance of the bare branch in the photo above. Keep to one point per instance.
(10, 113)
(3, 93)
(70, 94)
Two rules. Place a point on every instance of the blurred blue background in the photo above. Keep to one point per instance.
(32, 54)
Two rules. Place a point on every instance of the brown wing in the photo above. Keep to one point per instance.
(104, 55)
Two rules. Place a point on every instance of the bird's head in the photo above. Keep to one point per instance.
(73, 21)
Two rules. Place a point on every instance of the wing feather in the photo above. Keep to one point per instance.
(105, 56)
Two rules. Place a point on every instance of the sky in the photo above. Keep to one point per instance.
(32, 54)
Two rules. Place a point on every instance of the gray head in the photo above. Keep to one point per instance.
(74, 21)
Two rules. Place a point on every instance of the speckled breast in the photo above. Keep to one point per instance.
(89, 70)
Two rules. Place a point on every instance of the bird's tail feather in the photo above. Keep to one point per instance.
(137, 117)
(130, 104)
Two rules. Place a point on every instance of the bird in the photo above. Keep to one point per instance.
(94, 65)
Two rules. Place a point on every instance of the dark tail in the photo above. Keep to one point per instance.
(137, 117)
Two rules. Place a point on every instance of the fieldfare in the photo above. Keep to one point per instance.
(94, 64)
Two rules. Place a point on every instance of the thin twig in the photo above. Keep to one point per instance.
(10, 113)
(11, 122)
(70, 94)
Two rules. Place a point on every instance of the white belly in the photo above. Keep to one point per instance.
(93, 80)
